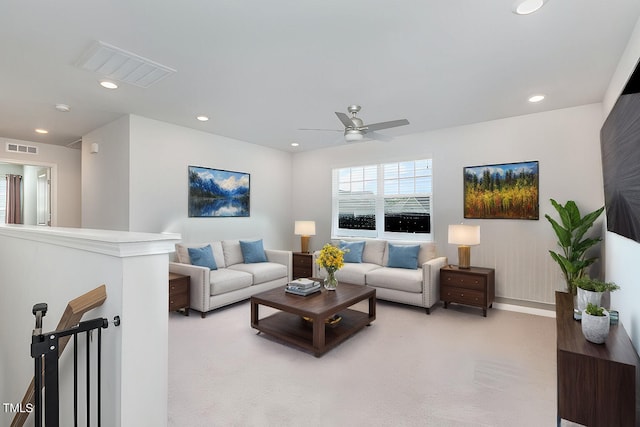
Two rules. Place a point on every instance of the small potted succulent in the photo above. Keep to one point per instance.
(591, 291)
(595, 324)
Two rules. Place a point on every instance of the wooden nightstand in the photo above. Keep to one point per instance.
(302, 265)
(179, 292)
(470, 286)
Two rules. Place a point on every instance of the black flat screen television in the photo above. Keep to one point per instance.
(620, 144)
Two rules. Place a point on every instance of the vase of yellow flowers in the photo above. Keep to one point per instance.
(331, 258)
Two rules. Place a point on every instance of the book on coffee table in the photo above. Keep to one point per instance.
(303, 292)
(303, 284)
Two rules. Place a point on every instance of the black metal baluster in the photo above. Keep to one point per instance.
(51, 398)
(37, 391)
(88, 379)
(99, 375)
(75, 380)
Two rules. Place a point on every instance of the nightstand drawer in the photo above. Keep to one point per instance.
(463, 296)
(302, 265)
(179, 292)
(178, 301)
(301, 260)
(465, 281)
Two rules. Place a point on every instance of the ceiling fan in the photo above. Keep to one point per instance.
(355, 129)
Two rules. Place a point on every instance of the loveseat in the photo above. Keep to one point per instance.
(238, 270)
(398, 270)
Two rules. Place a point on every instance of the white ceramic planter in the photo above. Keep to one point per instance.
(586, 297)
(595, 328)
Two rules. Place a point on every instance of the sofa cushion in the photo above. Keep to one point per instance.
(403, 256)
(354, 273)
(225, 280)
(262, 271)
(401, 279)
(373, 252)
(182, 253)
(232, 252)
(353, 251)
(427, 251)
(252, 251)
(202, 257)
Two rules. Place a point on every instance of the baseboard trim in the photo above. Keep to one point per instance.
(528, 307)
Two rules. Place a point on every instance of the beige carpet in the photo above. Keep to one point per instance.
(452, 368)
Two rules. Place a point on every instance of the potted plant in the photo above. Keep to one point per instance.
(595, 324)
(572, 260)
(591, 291)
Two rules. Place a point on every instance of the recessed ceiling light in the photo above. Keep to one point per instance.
(108, 84)
(42, 131)
(294, 144)
(536, 98)
(202, 118)
(525, 7)
(63, 108)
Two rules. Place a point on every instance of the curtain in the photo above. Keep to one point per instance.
(14, 199)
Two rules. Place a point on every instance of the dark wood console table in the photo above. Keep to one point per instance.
(597, 383)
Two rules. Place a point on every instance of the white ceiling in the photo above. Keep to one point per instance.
(263, 69)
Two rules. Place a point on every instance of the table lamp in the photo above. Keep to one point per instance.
(304, 229)
(464, 236)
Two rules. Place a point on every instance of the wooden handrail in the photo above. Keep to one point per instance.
(72, 315)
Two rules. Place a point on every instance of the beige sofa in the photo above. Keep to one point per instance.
(233, 280)
(419, 287)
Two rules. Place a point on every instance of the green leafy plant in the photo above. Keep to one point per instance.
(594, 310)
(595, 285)
(572, 260)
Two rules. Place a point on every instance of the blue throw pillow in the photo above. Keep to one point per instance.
(202, 257)
(354, 251)
(403, 256)
(253, 251)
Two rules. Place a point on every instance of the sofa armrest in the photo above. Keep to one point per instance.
(431, 279)
(200, 285)
(281, 257)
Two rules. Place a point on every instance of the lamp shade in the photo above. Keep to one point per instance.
(305, 228)
(461, 234)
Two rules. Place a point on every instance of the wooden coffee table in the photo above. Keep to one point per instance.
(314, 335)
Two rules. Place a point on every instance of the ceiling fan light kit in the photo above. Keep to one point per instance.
(351, 135)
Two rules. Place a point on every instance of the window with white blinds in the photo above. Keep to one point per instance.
(391, 200)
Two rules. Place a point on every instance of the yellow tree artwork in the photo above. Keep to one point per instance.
(502, 191)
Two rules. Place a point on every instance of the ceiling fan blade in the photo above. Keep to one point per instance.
(379, 137)
(346, 121)
(385, 125)
(328, 130)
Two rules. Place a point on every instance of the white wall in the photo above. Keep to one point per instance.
(71, 262)
(517, 249)
(622, 254)
(65, 168)
(105, 177)
(156, 181)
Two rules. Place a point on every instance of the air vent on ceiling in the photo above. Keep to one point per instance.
(118, 64)
(19, 148)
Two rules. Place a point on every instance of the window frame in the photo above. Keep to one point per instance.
(380, 198)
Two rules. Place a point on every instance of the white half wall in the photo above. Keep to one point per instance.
(621, 253)
(56, 265)
(566, 144)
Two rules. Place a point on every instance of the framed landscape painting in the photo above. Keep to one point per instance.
(502, 191)
(218, 193)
